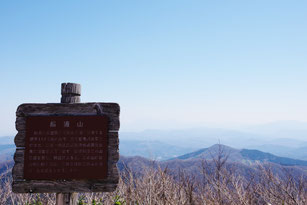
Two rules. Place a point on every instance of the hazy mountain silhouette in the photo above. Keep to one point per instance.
(245, 156)
(242, 161)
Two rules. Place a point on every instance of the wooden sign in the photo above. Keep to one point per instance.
(66, 148)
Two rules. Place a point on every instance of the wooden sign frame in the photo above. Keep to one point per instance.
(21, 185)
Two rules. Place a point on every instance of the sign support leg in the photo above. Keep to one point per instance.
(70, 94)
(66, 199)
(60, 199)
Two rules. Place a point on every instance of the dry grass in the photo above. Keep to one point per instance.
(219, 185)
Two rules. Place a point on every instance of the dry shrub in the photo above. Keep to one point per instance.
(219, 184)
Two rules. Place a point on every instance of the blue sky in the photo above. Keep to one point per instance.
(169, 64)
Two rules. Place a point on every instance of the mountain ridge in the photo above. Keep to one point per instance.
(240, 155)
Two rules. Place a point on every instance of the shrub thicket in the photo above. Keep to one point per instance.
(218, 185)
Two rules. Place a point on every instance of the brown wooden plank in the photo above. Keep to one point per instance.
(43, 186)
(20, 123)
(17, 172)
(109, 109)
(19, 156)
(20, 139)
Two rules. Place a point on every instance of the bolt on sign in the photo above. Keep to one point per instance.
(66, 147)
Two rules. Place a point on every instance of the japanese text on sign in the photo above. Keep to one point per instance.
(66, 147)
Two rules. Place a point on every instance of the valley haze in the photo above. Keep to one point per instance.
(282, 138)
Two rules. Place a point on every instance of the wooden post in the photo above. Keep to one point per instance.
(70, 94)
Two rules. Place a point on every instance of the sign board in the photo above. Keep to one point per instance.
(66, 148)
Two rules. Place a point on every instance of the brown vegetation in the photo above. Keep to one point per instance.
(219, 185)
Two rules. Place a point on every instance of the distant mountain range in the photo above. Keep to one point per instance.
(245, 156)
(282, 146)
(283, 138)
(283, 150)
(243, 161)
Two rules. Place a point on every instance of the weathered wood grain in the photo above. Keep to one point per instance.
(70, 94)
(111, 110)
(43, 186)
(17, 172)
(20, 139)
(70, 88)
(19, 156)
(70, 99)
(59, 108)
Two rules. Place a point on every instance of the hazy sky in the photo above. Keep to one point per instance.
(169, 64)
